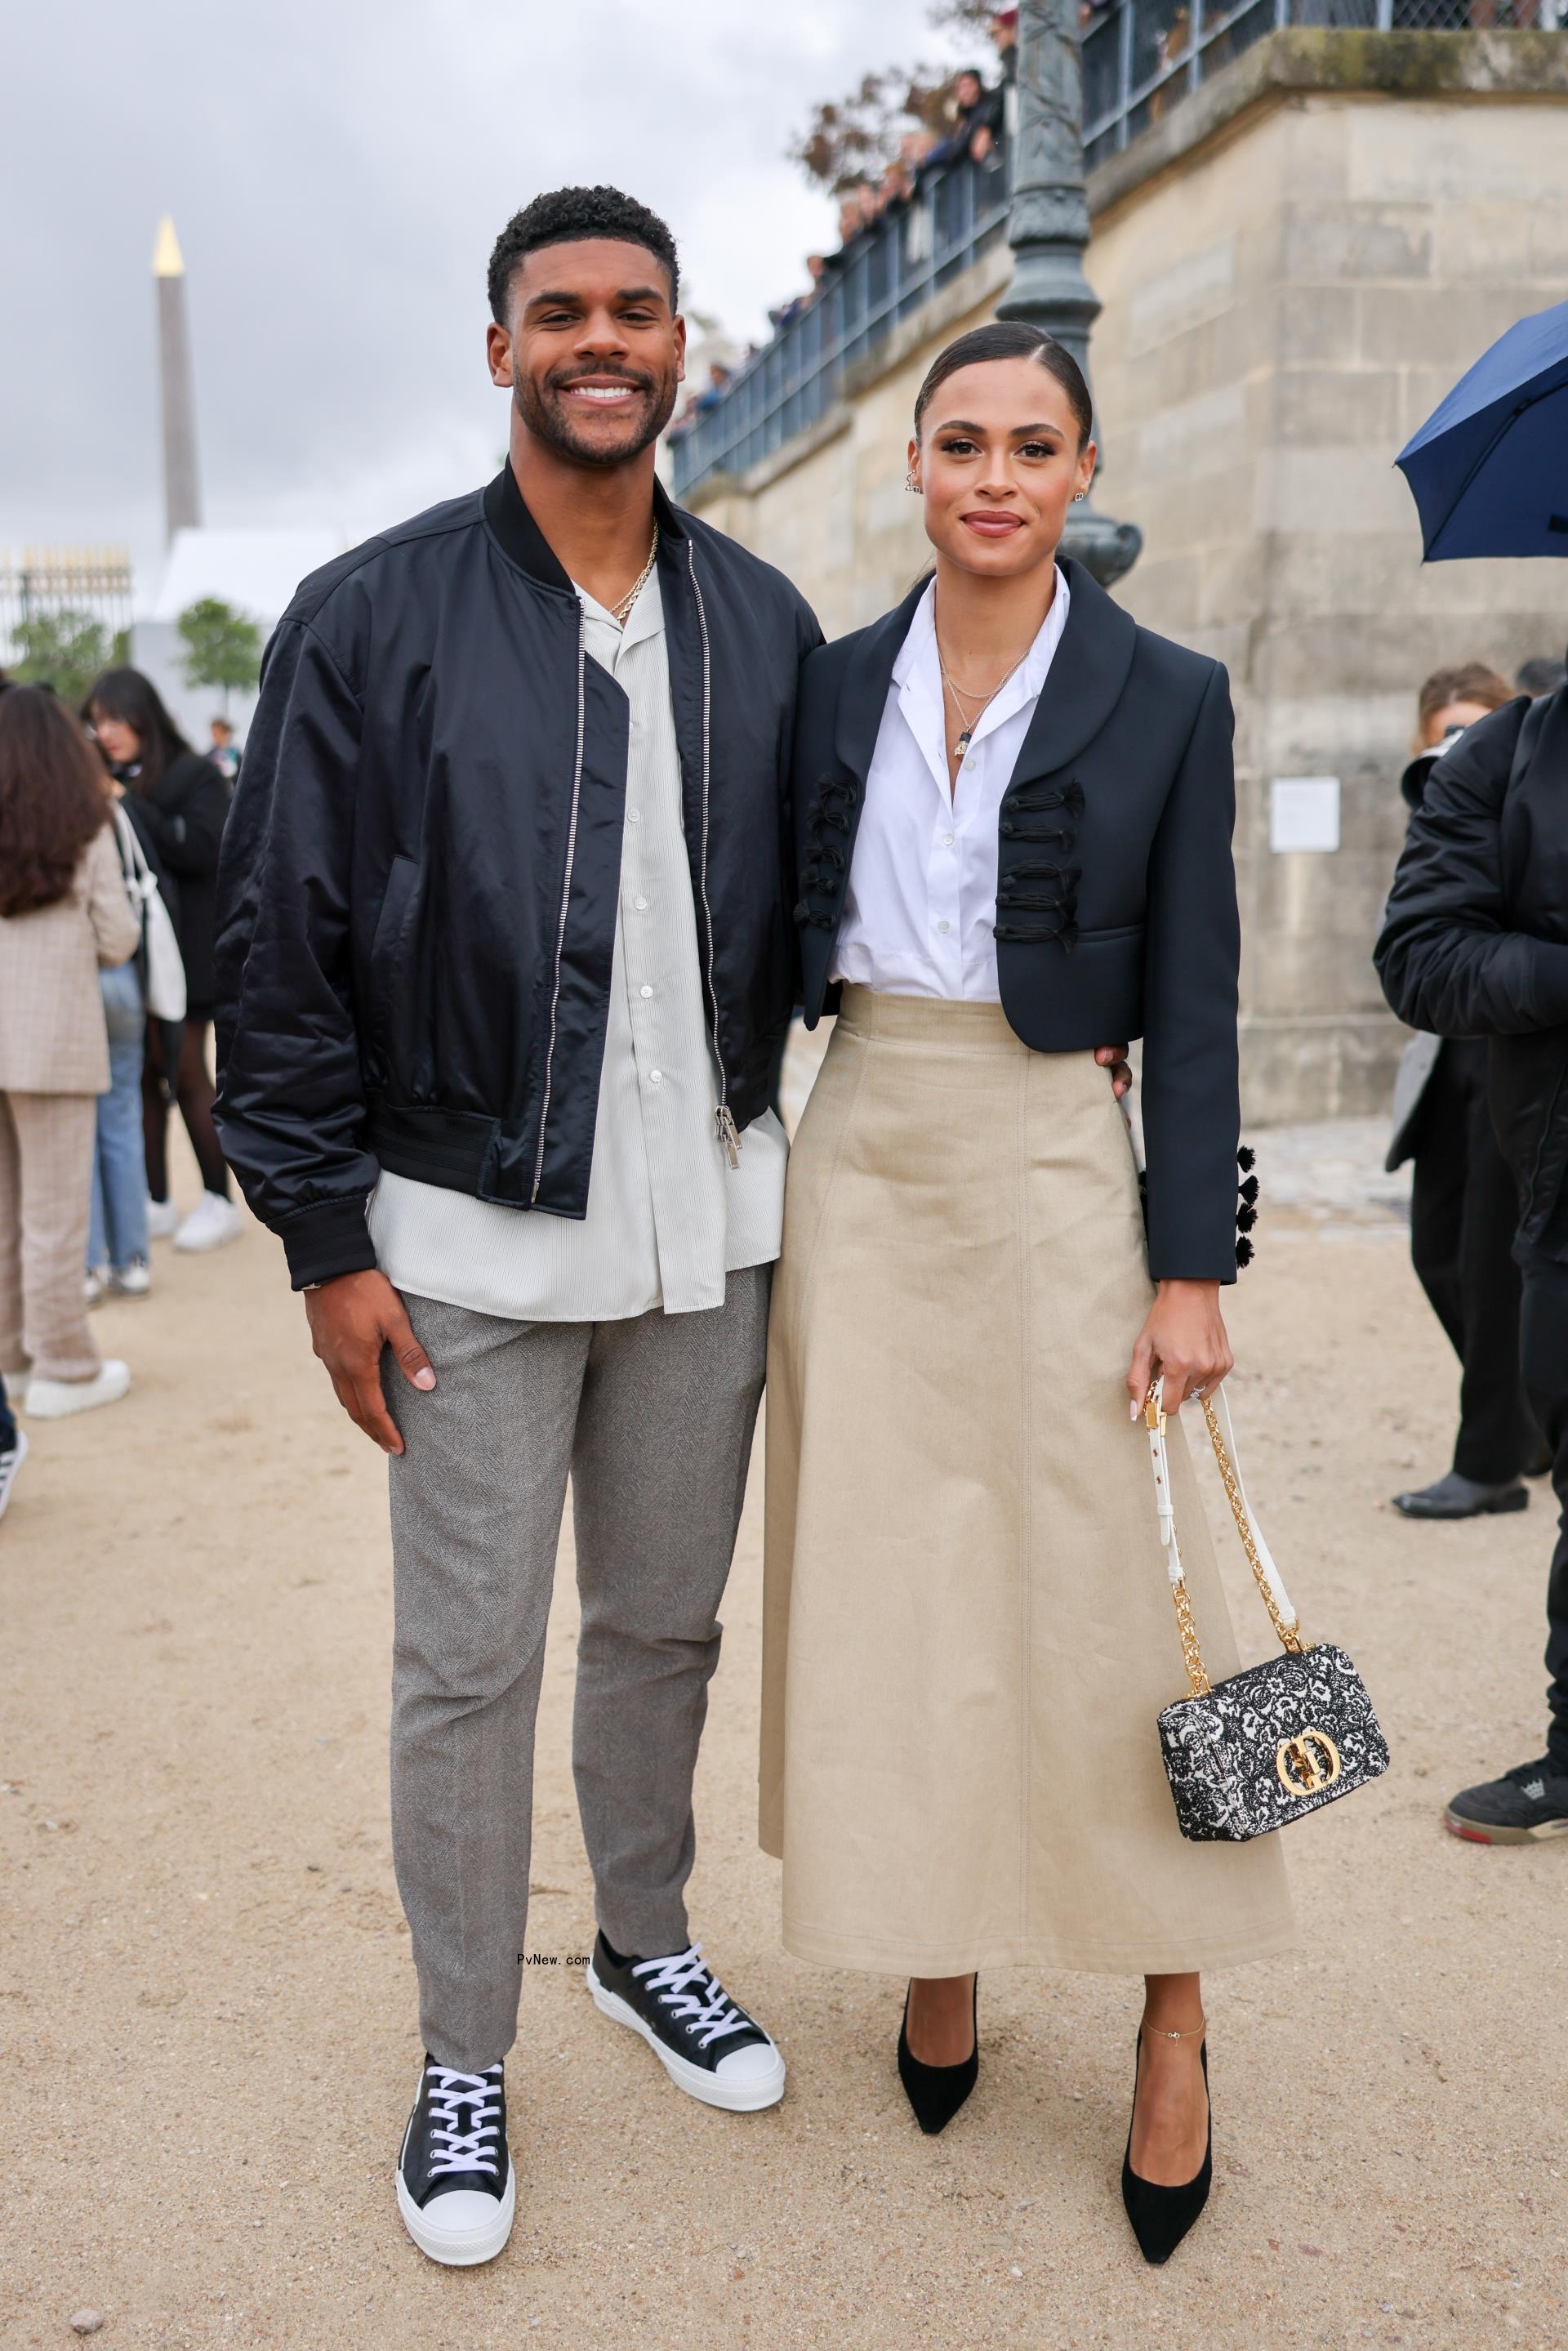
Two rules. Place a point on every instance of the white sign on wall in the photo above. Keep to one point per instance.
(1303, 813)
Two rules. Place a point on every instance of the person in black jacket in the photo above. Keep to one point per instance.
(179, 803)
(1015, 808)
(1475, 944)
(503, 960)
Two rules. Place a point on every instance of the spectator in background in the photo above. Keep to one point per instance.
(118, 1236)
(63, 914)
(222, 750)
(1464, 1205)
(1540, 676)
(179, 803)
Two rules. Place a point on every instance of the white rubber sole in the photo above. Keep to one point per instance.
(734, 2098)
(459, 2249)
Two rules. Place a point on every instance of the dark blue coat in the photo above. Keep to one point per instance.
(1116, 891)
(421, 874)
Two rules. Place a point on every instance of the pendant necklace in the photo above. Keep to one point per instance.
(967, 737)
(621, 612)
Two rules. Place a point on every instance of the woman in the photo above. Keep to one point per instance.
(63, 914)
(1014, 811)
(116, 1236)
(179, 804)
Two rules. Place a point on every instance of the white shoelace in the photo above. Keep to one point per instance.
(693, 1993)
(460, 2149)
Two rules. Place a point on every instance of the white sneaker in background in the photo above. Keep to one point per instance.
(55, 1399)
(95, 1288)
(10, 1462)
(162, 1219)
(213, 1221)
(132, 1279)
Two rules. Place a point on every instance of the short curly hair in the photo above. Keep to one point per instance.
(565, 216)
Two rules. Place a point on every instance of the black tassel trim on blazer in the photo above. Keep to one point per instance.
(826, 868)
(1246, 1200)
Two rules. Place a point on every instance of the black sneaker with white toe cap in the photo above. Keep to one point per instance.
(708, 2047)
(456, 2188)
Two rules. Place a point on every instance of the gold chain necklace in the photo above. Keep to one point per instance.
(967, 737)
(620, 613)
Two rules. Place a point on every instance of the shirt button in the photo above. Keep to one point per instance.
(656, 1077)
(641, 905)
(645, 991)
(944, 926)
(947, 840)
(634, 816)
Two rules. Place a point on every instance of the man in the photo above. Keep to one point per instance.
(505, 954)
(1464, 1206)
(1475, 944)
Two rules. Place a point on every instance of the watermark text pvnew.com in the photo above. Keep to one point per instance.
(552, 1959)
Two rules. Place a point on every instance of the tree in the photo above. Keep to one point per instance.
(67, 649)
(222, 647)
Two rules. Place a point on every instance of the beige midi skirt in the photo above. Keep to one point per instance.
(969, 1631)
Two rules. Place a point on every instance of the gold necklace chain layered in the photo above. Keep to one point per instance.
(621, 612)
(969, 724)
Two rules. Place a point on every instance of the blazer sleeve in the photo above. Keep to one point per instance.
(1192, 954)
(291, 1105)
(1448, 956)
(115, 931)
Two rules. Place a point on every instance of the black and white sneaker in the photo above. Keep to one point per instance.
(1527, 1804)
(11, 1460)
(708, 2047)
(456, 2188)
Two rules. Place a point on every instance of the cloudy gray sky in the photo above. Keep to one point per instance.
(338, 171)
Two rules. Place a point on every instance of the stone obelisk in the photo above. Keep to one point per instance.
(182, 482)
(1048, 231)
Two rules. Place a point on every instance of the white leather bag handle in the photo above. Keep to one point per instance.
(1270, 1583)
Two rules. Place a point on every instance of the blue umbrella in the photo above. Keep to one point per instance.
(1488, 469)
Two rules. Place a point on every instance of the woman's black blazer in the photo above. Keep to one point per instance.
(1116, 891)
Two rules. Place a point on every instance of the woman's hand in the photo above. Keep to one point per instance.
(1115, 1059)
(1183, 1342)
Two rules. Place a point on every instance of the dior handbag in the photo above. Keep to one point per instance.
(1278, 1739)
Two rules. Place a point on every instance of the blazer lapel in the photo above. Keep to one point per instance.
(863, 696)
(1084, 681)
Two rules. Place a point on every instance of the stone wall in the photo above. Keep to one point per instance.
(1295, 264)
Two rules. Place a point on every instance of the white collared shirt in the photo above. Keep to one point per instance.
(667, 1215)
(922, 900)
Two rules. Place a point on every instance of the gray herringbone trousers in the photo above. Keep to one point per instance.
(652, 1419)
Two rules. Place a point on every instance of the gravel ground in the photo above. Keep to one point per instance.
(207, 2034)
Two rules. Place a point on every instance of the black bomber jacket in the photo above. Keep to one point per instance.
(419, 877)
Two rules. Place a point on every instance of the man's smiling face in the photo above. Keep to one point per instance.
(593, 348)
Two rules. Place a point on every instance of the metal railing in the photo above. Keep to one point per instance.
(1141, 57)
(958, 210)
(94, 582)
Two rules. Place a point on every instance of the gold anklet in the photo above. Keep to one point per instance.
(1195, 2033)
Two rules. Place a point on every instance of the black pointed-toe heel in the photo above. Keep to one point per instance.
(1161, 2216)
(937, 2092)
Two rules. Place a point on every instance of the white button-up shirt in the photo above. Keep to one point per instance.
(667, 1216)
(921, 899)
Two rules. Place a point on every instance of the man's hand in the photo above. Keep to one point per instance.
(1115, 1059)
(352, 1319)
(1183, 1342)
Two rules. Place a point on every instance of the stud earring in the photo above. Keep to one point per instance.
(1078, 496)
(910, 483)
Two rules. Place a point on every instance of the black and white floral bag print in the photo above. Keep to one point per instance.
(1279, 1739)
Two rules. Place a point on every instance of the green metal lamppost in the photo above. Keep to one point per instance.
(1048, 230)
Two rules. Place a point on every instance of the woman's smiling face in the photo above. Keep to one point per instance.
(998, 462)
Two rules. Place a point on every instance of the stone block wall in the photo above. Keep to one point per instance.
(1294, 267)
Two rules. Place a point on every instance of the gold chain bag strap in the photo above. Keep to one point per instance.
(1248, 1754)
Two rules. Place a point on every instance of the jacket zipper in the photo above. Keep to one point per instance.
(728, 1135)
(566, 901)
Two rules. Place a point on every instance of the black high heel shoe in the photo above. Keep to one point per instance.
(937, 2092)
(1161, 2216)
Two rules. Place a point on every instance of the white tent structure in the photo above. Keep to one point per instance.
(256, 572)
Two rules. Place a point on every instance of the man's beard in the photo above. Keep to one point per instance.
(547, 415)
